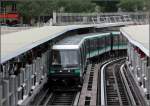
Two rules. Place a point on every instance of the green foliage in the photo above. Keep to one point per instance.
(79, 6)
(34, 8)
(38, 7)
(147, 5)
(131, 5)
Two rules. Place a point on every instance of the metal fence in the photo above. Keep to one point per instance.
(97, 18)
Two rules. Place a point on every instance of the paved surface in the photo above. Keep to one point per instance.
(88, 92)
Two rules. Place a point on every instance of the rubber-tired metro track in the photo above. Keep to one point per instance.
(116, 94)
(62, 98)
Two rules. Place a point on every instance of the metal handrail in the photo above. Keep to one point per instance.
(112, 19)
(97, 18)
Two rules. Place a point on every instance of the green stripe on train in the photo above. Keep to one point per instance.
(108, 48)
(77, 72)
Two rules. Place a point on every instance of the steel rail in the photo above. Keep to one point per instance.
(103, 89)
(132, 100)
(117, 87)
(62, 99)
(139, 97)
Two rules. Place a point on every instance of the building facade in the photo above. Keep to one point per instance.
(8, 12)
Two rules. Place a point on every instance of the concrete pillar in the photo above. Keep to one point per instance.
(19, 80)
(44, 64)
(6, 91)
(131, 55)
(129, 52)
(144, 74)
(38, 69)
(54, 18)
(143, 71)
(15, 90)
(22, 75)
(1, 94)
(28, 78)
(98, 19)
(34, 67)
(12, 90)
(85, 20)
(138, 74)
(148, 83)
(138, 66)
(34, 72)
(134, 62)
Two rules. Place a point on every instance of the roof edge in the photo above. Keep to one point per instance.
(146, 51)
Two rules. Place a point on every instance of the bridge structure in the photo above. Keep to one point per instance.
(26, 55)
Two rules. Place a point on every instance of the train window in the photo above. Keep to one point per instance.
(69, 58)
(107, 41)
(115, 40)
(56, 57)
(102, 43)
(124, 40)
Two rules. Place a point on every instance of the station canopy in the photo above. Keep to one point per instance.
(138, 35)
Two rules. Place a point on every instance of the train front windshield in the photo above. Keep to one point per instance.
(65, 58)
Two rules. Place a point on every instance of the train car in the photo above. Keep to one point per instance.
(69, 55)
(67, 60)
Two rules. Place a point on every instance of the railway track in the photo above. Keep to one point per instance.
(115, 92)
(58, 98)
(62, 98)
(118, 87)
(137, 96)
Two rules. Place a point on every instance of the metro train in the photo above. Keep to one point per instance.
(70, 55)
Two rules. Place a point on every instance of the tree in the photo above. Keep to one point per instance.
(31, 9)
(131, 5)
(147, 5)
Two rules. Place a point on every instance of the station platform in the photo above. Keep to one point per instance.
(13, 44)
(138, 60)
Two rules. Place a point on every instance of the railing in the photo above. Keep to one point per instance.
(97, 18)
(111, 19)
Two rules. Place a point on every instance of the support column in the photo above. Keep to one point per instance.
(1, 94)
(28, 79)
(12, 90)
(148, 83)
(34, 73)
(6, 92)
(54, 18)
